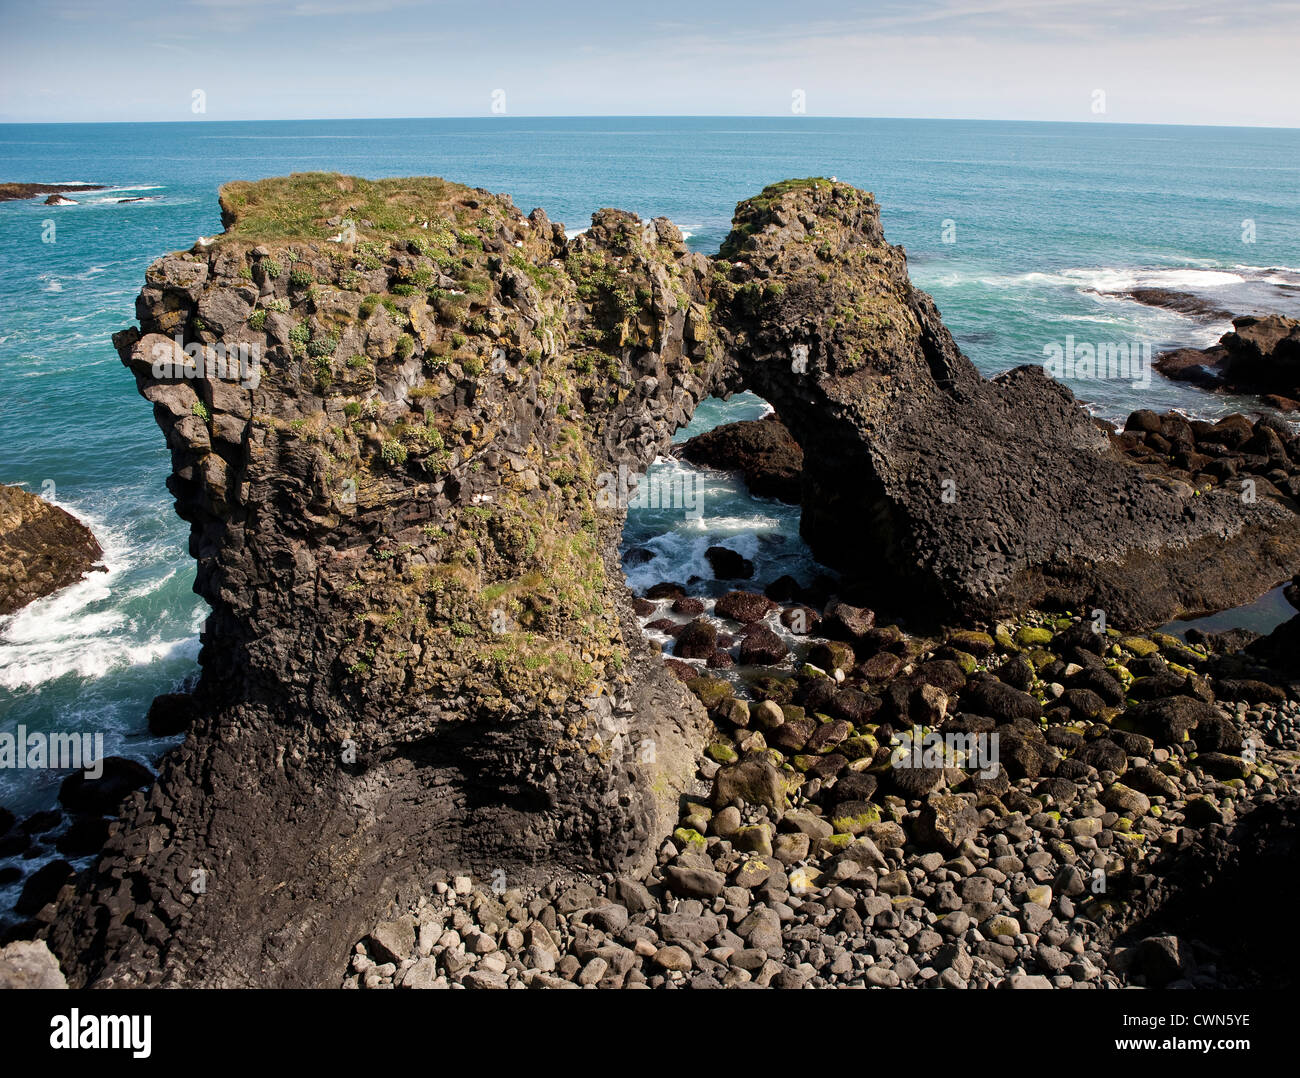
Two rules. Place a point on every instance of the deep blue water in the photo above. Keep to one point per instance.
(1042, 216)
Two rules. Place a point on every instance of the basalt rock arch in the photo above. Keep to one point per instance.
(421, 656)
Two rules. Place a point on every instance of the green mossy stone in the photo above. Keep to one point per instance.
(1032, 636)
(969, 640)
(689, 837)
(1040, 657)
(723, 752)
(835, 844)
(857, 823)
(858, 747)
(710, 692)
(965, 660)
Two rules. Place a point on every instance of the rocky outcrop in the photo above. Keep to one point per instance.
(928, 485)
(761, 450)
(10, 192)
(1171, 300)
(42, 548)
(1260, 355)
(421, 656)
(402, 416)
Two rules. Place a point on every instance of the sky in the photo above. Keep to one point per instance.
(1118, 61)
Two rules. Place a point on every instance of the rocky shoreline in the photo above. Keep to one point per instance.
(810, 855)
(1260, 355)
(423, 663)
(42, 548)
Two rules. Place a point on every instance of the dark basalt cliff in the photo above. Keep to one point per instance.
(422, 657)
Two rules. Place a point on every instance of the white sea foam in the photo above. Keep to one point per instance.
(72, 633)
(1106, 279)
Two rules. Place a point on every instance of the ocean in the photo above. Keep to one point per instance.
(1014, 228)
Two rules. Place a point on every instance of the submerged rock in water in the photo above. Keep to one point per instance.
(42, 548)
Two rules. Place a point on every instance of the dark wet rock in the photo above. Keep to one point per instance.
(762, 646)
(1168, 720)
(42, 548)
(743, 606)
(943, 674)
(682, 671)
(801, 620)
(41, 823)
(912, 782)
(1261, 354)
(783, 589)
(1021, 752)
(1102, 754)
(1251, 690)
(854, 706)
(85, 836)
(881, 666)
(1182, 302)
(988, 696)
(727, 564)
(855, 786)
(848, 622)
(102, 795)
(816, 694)
(762, 450)
(1155, 686)
(688, 606)
(1281, 647)
(698, 640)
(170, 714)
(42, 887)
(1214, 733)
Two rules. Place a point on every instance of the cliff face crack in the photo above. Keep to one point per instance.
(422, 656)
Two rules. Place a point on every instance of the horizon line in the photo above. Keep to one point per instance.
(800, 118)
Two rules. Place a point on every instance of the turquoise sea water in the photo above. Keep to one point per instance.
(1043, 216)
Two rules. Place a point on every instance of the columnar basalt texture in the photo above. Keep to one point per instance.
(404, 504)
